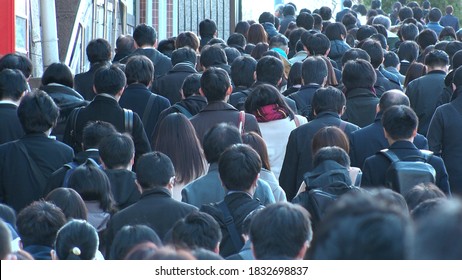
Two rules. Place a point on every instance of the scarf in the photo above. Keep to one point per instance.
(271, 112)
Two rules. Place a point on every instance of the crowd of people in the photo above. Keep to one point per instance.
(304, 135)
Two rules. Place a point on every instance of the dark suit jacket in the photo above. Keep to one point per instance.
(105, 108)
(306, 93)
(445, 139)
(219, 112)
(240, 204)
(10, 127)
(83, 82)
(375, 167)
(370, 139)
(298, 158)
(156, 209)
(384, 83)
(19, 186)
(361, 106)
(136, 97)
(170, 84)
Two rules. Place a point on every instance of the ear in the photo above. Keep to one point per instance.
(201, 92)
(377, 109)
(138, 186)
(102, 163)
(53, 255)
(279, 82)
(155, 44)
(414, 133)
(255, 75)
(305, 49)
(229, 90)
(302, 252)
(253, 251)
(94, 89)
(327, 52)
(217, 248)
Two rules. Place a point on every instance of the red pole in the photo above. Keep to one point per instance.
(7, 27)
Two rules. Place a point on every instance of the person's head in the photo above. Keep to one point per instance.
(449, 9)
(37, 112)
(434, 15)
(17, 61)
(383, 20)
(58, 73)
(243, 160)
(258, 144)
(437, 238)
(176, 138)
(263, 95)
(325, 13)
(117, 151)
(144, 35)
(197, 230)
(336, 31)
(125, 44)
(231, 54)
(349, 21)
(418, 13)
(13, 85)
(207, 28)
(408, 50)
(305, 20)
(332, 153)
(94, 132)
(279, 41)
(391, 59)
(390, 198)
(130, 236)
(361, 9)
(98, 51)
(259, 50)
(242, 27)
(288, 10)
(191, 85)
(358, 73)
(421, 193)
(375, 52)
(314, 70)
(408, 32)
(155, 170)
(266, 17)
(329, 136)
(110, 80)
(451, 49)
(316, 44)
(426, 5)
(376, 4)
(457, 79)
(139, 70)
(38, 223)
(5, 241)
(392, 97)
(212, 55)
(347, 3)
(343, 234)
(236, 39)
(8, 215)
(215, 84)
(166, 46)
(353, 54)
(93, 185)
(295, 75)
(281, 230)
(242, 71)
(76, 240)
(70, 202)
(257, 34)
(426, 37)
(365, 31)
(269, 70)
(415, 70)
(400, 123)
(218, 138)
(328, 99)
(437, 59)
(317, 21)
(187, 39)
(184, 55)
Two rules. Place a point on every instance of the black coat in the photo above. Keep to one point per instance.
(123, 186)
(375, 167)
(445, 139)
(298, 158)
(19, 185)
(361, 106)
(10, 127)
(371, 139)
(306, 93)
(194, 104)
(83, 82)
(384, 83)
(170, 84)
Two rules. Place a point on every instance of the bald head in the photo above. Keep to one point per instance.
(392, 97)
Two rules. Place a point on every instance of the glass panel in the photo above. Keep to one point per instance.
(21, 34)
(20, 7)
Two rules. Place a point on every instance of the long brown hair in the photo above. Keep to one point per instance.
(258, 144)
(257, 34)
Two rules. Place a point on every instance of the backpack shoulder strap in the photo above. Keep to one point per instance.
(297, 121)
(241, 125)
(36, 172)
(342, 125)
(128, 120)
(73, 121)
(182, 110)
(147, 109)
(230, 226)
(390, 155)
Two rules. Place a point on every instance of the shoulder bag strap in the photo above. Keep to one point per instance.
(230, 226)
(241, 125)
(297, 121)
(36, 172)
(182, 110)
(147, 109)
(128, 120)
(73, 122)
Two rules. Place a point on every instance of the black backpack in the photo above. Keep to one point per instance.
(403, 175)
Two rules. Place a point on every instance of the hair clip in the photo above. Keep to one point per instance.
(76, 251)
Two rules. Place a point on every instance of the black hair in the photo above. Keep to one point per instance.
(144, 35)
(451, 49)
(8, 215)
(365, 31)
(408, 50)
(236, 39)
(196, 230)
(434, 15)
(39, 222)
(421, 193)
(139, 69)
(231, 54)
(393, 97)
(375, 52)
(281, 229)
(269, 70)
(242, 71)
(457, 78)
(258, 144)
(314, 70)
(218, 138)
(328, 99)
(391, 59)
(295, 75)
(109, 79)
(70, 202)
(184, 54)
(353, 54)
(212, 55)
(325, 13)
(305, 20)
(349, 21)
(335, 31)
(76, 240)
(128, 237)
(58, 73)
(242, 27)
(17, 61)
(316, 44)
(382, 40)
(191, 85)
(408, 31)
(166, 46)
(154, 170)
(12, 84)
(333, 153)
(426, 37)
(358, 73)
(125, 43)
(266, 17)
(239, 159)
(98, 50)
(279, 41)
(215, 82)
(376, 4)
(288, 10)
(399, 122)
(317, 21)
(207, 28)
(265, 94)
(187, 39)
(116, 150)
(37, 112)
(94, 132)
(436, 58)
(294, 38)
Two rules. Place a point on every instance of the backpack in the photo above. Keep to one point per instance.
(183, 110)
(403, 175)
(71, 168)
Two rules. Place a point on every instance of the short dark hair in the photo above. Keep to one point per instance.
(288, 10)
(449, 9)
(187, 39)
(295, 74)
(39, 222)
(94, 132)
(144, 35)
(8, 214)
(325, 12)
(426, 37)
(154, 170)
(191, 85)
(408, 31)
(12, 84)
(76, 234)
(376, 4)
(317, 21)
(381, 39)
(457, 78)
(125, 43)
(393, 97)
(390, 59)
(139, 69)
(347, 3)
(404, 13)
(353, 54)
(166, 46)
(98, 50)
(434, 15)
(408, 50)
(128, 237)
(231, 54)
(437, 58)
(375, 52)
(305, 20)
(207, 28)
(184, 54)
(37, 112)
(281, 230)
(212, 55)
(399, 122)
(116, 150)
(421, 193)
(218, 138)
(236, 39)
(214, 84)
(109, 79)
(358, 73)
(365, 31)
(335, 31)
(269, 70)
(70, 202)
(265, 94)
(279, 41)
(314, 70)
(383, 20)
(316, 44)
(239, 159)
(196, 230)
(349, 21)
(328, 99)
(58, 73)
(333, 153)
(17, 61)
(266, 17)
(242, 71)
